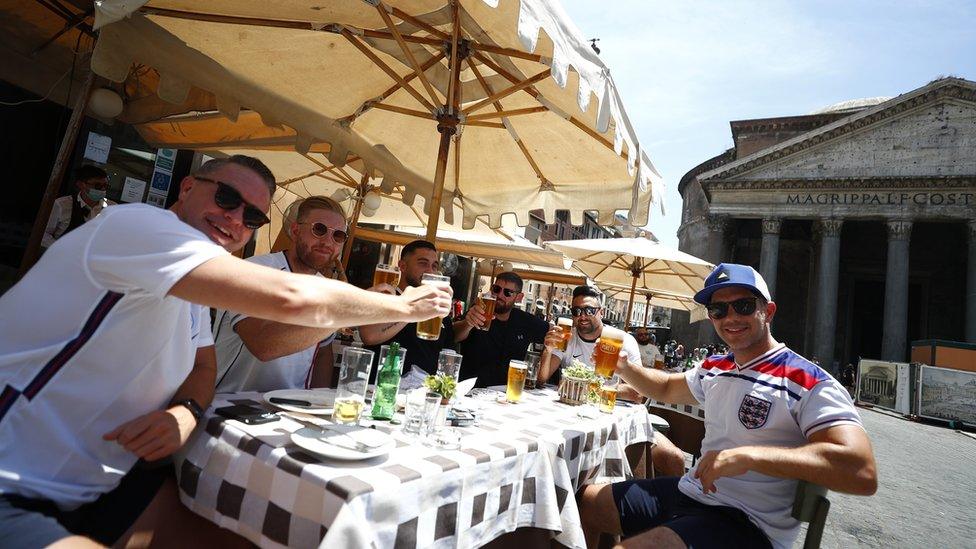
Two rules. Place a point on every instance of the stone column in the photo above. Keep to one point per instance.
(717, 225)
(769, 257)
(825, 323)
(893, 342)
(971, 285)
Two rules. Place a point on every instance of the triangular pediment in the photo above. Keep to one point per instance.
(930, 132)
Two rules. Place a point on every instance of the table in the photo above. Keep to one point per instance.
(520, 466)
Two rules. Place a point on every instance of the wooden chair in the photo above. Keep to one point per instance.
(811, 505)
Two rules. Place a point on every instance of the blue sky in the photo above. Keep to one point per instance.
(686, 68)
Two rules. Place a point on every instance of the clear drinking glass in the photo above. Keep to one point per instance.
(532, 360)
(516, 380)
(351, 390)
(430, 329)
(413, 412)
(449, 362)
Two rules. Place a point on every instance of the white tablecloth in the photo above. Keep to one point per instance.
(519, 466)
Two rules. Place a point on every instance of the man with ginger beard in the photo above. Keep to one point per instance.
(254, 354)
(488, 352)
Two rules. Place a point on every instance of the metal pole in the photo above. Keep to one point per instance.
(630, 303)
(32, 253)
(552, 293)
(647, 308)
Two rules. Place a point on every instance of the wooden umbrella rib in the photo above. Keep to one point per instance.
(400, 14)
(365, 106)
(229, 19)
(403, 110)
(406, 52)
(497, 125)
(477, 46)
(504, 113)
(542, 75)
(331, 169)
(455, 36)
(332, 179)
(389, 71)
(427, 41)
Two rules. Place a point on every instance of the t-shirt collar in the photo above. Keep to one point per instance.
(776, 348)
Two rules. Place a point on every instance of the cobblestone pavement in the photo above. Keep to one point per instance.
(926, 491)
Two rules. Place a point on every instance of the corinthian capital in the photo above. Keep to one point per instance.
(899, 229)
(830, 226)
(771, 225)
(717, 223)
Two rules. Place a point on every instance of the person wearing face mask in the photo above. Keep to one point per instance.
(488, 352)
(72, 210)
(254, 354)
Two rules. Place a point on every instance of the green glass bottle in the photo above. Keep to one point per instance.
(387, 384)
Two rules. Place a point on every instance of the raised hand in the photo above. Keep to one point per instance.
(427, 301)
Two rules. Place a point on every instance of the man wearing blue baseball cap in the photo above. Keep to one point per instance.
(772, 417)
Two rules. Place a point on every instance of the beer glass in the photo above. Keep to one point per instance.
(449, 362)
(351, 389)
(516, 380)
(487, 301)
(430, 329)
(386, 274)
(607, 350)
(532, 360)
(608, 395)
(566, 325)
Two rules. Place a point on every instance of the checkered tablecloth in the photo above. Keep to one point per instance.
(684, 409)
(520, 466)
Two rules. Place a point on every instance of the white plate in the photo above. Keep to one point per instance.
(321, 400)
(311, 440)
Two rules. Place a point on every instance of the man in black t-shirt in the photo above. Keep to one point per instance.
(416, 259)
(487, 353)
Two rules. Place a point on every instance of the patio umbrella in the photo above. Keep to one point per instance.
(636, 263)
(501, 107)
(660, 299)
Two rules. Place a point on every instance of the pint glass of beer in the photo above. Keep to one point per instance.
(517, 370)
(351, 389)
(608, 397)
(386, 274)
(606, 351)
(566, 325)
(487, 301)
(430, 329)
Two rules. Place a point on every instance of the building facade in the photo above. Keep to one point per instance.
(861, 218)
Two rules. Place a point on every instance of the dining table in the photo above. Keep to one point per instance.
(518, 466)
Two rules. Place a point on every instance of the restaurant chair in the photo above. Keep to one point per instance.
(811, 505)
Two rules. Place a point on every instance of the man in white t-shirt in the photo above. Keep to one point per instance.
(254, 354)
(771, 417)
(69, 212)
(588, 326)
(649, 352)
(105, 358)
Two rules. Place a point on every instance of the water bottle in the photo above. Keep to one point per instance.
(387, 381)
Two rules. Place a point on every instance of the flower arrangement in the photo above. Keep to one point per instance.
(442, 384)
(576, 384)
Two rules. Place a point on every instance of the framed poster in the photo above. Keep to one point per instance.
(948, 395)
(877, 383)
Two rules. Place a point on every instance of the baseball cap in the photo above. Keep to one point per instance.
(731, 274)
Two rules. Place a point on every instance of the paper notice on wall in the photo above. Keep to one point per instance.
(97, 147)
(133, 190)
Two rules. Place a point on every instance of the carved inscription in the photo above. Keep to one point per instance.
(884, 199)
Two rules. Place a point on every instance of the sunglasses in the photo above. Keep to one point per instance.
(588, 311)
(743, 307)
(496, 289)
(321, 230)
(228, 198)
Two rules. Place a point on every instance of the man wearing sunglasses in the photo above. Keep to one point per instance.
(487, 353)
(106, 357)
(254, 354)
(771, 417)
(69, 212)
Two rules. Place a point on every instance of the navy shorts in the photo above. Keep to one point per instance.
(646, 504)
(29, 523)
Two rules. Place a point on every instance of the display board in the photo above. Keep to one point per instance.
(948, 395)
(884, 384)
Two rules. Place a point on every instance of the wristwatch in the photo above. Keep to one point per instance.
(193, 407)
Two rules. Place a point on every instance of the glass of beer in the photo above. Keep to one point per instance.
(608, 396)
(566, 326)
(351, 389)
(386, 274)
(517, 370)
(532, 360)
(607, 350)
(487, 301)
(430, 329)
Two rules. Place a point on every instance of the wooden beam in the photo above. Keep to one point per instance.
(505, 51)
(364, 107)
(496, 125)
(386, 68)
(402, 110)
(505, 114)
(406, 52)
(508, 91)
(417, 22)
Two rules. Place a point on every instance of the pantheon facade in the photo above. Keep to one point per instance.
(861, 217)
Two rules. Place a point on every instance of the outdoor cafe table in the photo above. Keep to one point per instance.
(520, 466)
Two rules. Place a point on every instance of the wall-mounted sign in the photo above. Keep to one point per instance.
(133, 190)
(97, 147)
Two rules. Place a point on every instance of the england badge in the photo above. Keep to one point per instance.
(754, 411)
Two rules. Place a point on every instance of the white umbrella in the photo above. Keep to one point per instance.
(695, 311)
(636, 263)
(499, 107)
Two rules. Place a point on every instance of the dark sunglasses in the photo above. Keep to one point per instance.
(743, 307)
(321, 230)
(588, 311)
(228, 198)
(496, 289)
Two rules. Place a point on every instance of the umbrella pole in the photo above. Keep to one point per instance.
(647, 309)
(354, 219)
(552, 292)
(630, 304)
(32, 253)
